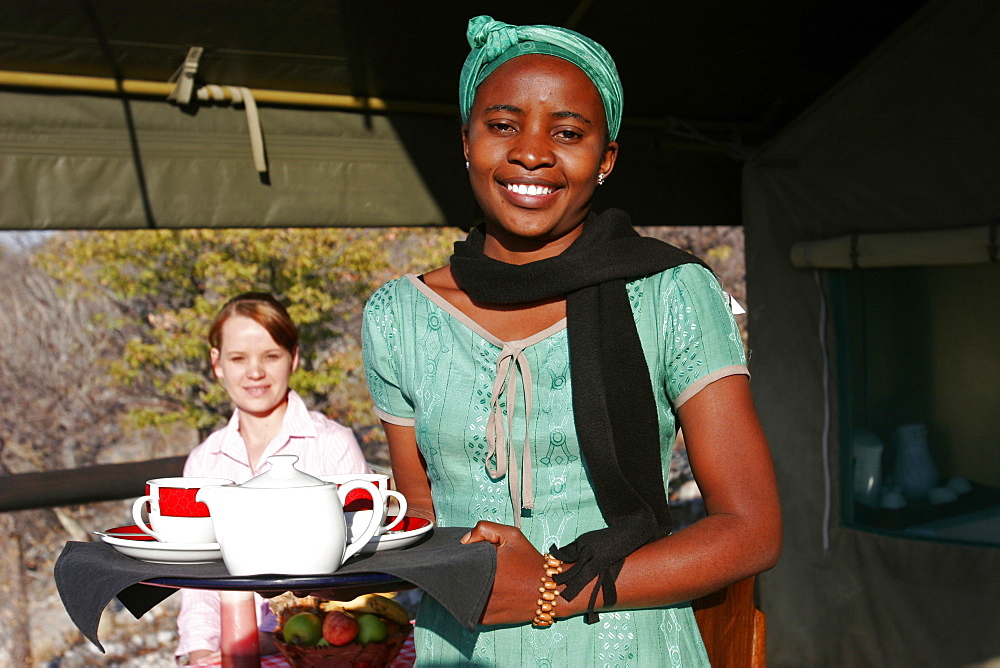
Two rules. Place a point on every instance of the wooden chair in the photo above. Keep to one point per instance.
(732, 626)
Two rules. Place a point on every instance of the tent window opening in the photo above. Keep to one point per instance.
(918, 380)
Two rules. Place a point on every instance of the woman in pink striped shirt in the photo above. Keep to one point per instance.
(254, 350)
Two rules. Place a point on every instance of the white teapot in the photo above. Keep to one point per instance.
(285, 522)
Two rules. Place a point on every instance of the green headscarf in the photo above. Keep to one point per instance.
(494, 43)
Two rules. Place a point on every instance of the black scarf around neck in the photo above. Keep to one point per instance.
(613, 403)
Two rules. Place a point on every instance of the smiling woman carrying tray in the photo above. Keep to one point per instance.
(532, 388)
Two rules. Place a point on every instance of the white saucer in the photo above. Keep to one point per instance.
(133, 543)
(413, 529)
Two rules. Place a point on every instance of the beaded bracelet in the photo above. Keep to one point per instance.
(545, 614)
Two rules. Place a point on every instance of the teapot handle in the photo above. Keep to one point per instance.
(374, 525)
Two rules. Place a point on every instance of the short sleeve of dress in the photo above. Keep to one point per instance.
(703, 340)
(383, 358)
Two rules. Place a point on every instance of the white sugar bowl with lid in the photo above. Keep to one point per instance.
(285, 522)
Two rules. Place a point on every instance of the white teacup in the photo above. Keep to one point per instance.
(174, 514)
(357, 511)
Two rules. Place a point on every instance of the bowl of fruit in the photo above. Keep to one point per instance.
(368, 631)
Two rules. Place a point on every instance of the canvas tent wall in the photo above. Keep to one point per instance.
(71, 160)
(703, 81)
(98, 161)
(359, 122)
(909, 141)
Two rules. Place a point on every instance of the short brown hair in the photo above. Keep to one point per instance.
(263, 309)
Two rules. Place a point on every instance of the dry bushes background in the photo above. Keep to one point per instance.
(60, 408)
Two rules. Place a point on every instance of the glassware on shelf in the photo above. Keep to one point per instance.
(915, 471)
(866, 458)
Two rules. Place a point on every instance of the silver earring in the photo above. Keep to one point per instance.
(466, 164)
(600, 179)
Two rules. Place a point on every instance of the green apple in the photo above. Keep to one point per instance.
(371, 628)
(303, 628)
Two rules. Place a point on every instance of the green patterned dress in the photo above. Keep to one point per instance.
(431, 367)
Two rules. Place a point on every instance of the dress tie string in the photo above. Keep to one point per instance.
(510, 364)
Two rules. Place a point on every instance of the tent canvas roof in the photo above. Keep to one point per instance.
(729, 62)
(702, 81)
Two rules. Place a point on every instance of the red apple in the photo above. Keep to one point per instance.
(339, 628)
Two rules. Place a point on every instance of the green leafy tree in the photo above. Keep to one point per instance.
(169, 284)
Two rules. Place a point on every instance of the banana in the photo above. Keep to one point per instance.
(373, 603)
